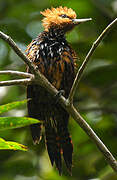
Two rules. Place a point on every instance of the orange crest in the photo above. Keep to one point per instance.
(53, 17)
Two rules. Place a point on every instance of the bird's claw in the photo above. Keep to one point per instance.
(58, 95)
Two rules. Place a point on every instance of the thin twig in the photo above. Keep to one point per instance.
(17, 73)
(85, 62)
(16, 82)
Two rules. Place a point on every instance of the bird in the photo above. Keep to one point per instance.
(54, 57)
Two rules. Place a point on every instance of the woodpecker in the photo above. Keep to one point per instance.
(56, 60)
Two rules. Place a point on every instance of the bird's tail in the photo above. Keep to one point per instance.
(58, 142)
(36, 132)
(53, 146)
(66, 146)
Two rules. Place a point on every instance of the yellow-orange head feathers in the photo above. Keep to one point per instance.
(58, 17)
(62, 17)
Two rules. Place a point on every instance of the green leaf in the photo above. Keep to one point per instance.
(16, 122)
(10, 106)
(11, 145)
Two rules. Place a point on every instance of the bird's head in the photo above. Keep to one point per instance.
(61, 18)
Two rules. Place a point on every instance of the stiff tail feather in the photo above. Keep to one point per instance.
(53, 146)
(36, 132)
(58, 142)
(66, 144)
(67, 148)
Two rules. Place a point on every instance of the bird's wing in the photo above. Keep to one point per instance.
(33, 93)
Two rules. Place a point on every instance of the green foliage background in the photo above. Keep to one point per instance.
(96, 97)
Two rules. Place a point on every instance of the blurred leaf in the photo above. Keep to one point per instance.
(3, 52)
(14, 28)
(34, 28)
(10, 106)
(16, 122)
(102, 76)
(73, 37)
(15, 59)
(11, 145)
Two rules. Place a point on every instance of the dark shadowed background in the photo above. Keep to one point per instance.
(96, 97)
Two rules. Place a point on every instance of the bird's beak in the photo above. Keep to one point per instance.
(78, 21)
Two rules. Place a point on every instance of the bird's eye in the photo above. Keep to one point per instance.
(64, 16)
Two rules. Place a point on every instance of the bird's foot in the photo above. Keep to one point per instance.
(58, 95)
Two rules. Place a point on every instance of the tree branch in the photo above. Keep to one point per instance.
(66, 103)
(17, 73)
(16, 82)
(85, 62)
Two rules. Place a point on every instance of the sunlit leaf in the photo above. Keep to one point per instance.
(16, 122)
(10, 106)
(11, 145)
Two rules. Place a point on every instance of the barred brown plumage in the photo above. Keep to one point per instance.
(55, 59)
